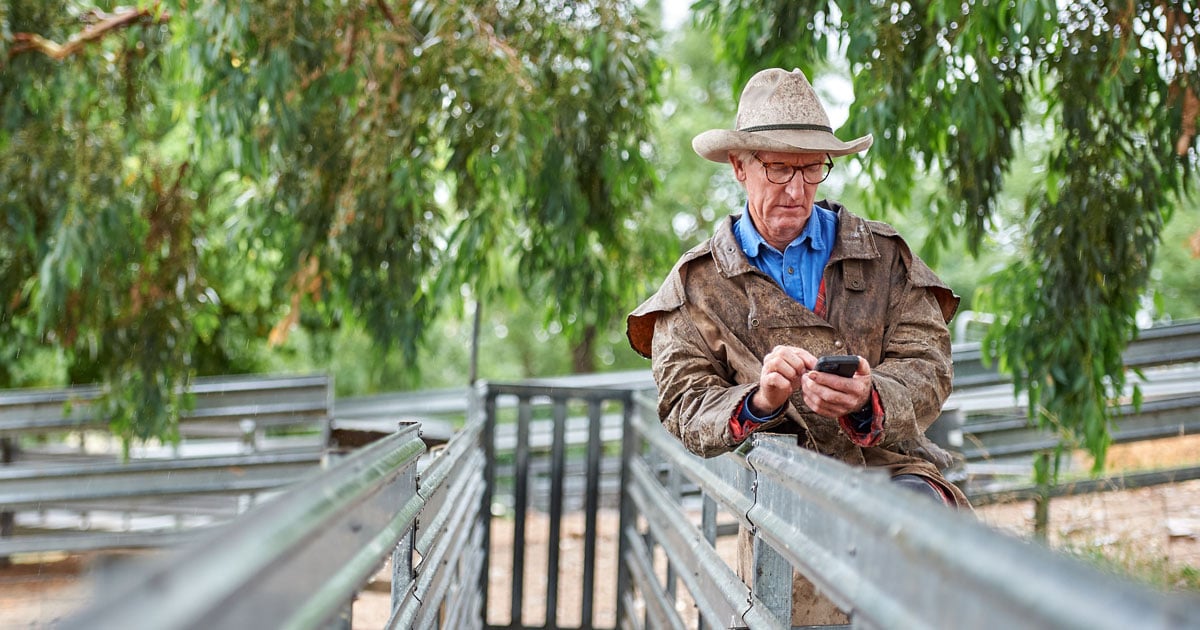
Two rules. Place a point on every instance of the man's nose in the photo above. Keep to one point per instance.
(796, 187)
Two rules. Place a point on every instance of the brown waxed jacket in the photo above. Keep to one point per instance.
(716, 316)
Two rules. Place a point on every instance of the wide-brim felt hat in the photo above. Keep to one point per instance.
(778, 111)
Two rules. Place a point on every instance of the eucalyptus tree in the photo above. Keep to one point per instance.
(179, 179)
(1108, 93)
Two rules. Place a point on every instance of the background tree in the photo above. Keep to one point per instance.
(1106, 94)
(183, 179)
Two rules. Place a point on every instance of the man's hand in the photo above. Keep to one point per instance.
(834, 396)
(781, 375)
(788, 368)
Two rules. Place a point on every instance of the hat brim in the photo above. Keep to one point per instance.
(716, 144)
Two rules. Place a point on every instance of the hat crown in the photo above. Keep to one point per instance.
(777, 98)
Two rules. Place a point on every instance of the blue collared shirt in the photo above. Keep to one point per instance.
(798, 269)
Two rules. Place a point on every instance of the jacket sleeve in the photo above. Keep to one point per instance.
(915, 374)
(696, 399)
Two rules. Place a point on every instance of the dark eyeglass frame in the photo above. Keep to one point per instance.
(767, 166)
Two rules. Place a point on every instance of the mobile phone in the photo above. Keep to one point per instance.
(841, 364)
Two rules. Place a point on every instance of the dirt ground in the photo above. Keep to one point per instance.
(1154, 530)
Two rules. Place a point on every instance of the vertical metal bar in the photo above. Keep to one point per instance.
(326, 418)
(708, 519)
(656, 462)
(520, 506)
(557, 472)
(630, 447)
(402, 570)
(473, 364)
(592, 507)
(8, 451)
(708, 527)
(674, 489)
(484, 517)
(772, 573)
(772, 579)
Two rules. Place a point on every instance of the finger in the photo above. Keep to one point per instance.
(807, 358)
(787, 369)
(826, 400)
(790, 355)
(777, 387)
(864, 368)
(775, 381)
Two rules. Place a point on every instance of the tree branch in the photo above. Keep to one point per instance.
(1190, 116)
(29, 42)
(387, 13)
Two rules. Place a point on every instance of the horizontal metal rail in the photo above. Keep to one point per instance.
(453, 401)
(1154, 419)
(447, 538)
(24, 487)
(268, 400)
(294, 562)
(879, 553)
(1161, 345)
(96, 541)
(1127, 481)
(887, 557)
(983, 404)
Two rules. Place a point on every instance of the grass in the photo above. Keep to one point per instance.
(1124, 559)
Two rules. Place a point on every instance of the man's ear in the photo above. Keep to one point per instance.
(739, 171)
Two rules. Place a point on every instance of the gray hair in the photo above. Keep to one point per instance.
(742, 155)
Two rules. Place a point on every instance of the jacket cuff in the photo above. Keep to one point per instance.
(744, 422)
(865, 434)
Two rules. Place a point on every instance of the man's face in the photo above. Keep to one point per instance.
(779, 211)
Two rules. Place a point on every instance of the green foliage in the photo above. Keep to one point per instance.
(1175, 278)
(185, 184)
(948, 89)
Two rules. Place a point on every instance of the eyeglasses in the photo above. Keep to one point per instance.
(780, 173)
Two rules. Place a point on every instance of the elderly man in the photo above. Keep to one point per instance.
(736, 330)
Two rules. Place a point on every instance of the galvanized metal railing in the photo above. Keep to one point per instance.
(889, 559)
(103, 496)
(148, 488)
(298, 560)
(267, 400)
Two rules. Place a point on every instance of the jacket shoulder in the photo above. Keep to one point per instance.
(919, 273)
(669, 297)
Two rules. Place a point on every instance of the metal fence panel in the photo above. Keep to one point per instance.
(268, 399)
(721, 597)
(43, 486)
(896, 561)
(292, 562)
(889, 558)
(659, 610)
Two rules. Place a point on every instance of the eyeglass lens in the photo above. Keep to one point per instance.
(779, 173)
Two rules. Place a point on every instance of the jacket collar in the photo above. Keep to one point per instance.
(853, 240)
(854, 235)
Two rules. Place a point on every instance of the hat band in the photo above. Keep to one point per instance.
(784, 127)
